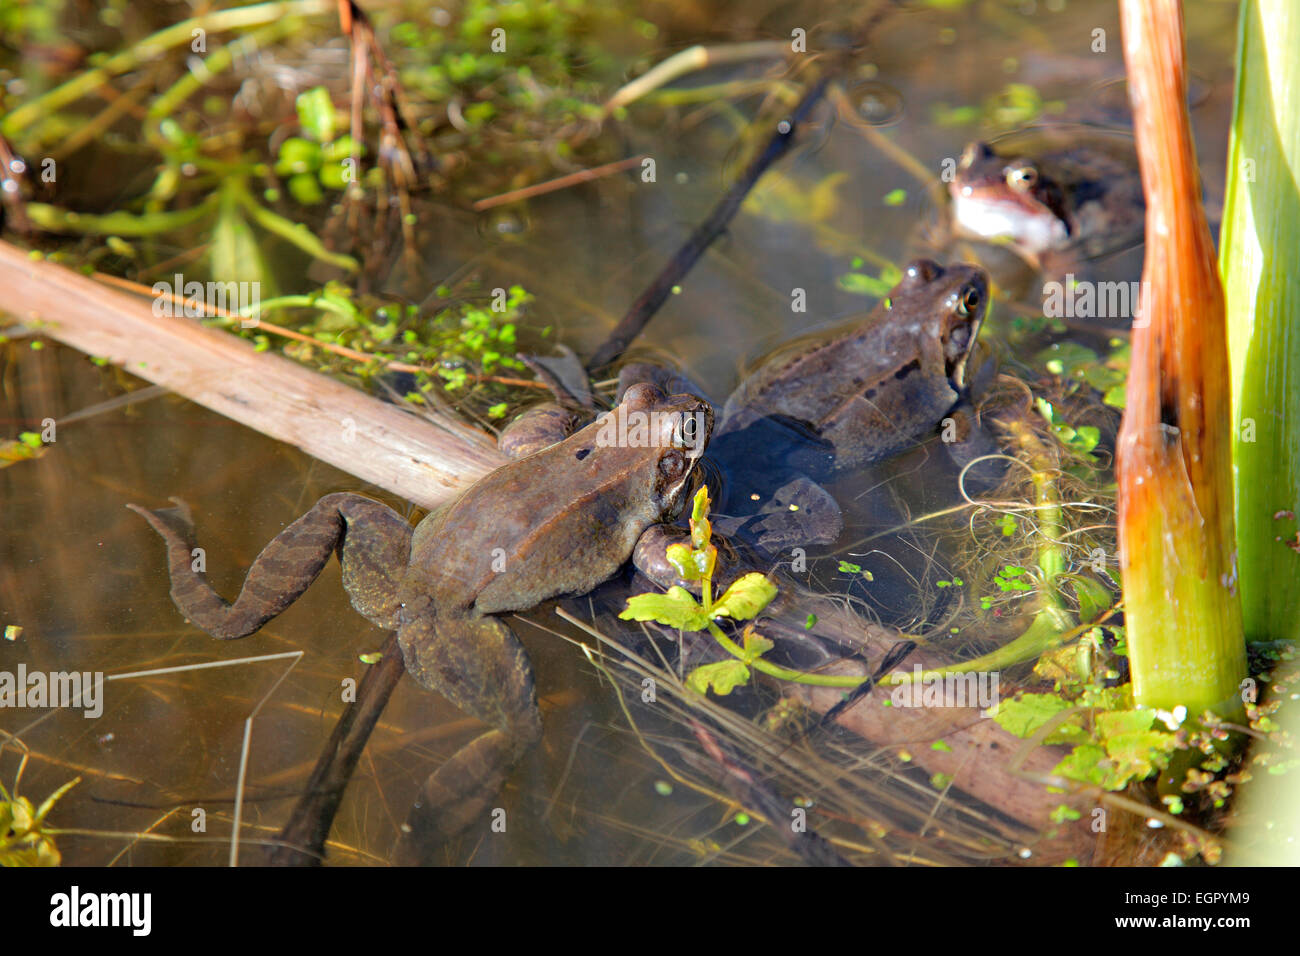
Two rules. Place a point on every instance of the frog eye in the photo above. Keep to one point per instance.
(968, 301)
(672, 465)
(1022, 178)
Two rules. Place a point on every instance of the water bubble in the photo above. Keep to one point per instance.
(875, 104)
(506, 223)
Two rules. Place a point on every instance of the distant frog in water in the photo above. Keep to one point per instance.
(1076, 199)
(560, 521)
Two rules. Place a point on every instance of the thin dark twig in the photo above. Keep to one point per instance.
(896, 655)
(749, 791)
(644, 308)
(303, 837)
(648, 303)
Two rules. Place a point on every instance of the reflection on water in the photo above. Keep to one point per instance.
(86, 581)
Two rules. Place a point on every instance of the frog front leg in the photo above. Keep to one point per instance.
(373, 543)
(546, 423)
(477, 663)
(539, 427)
(970, 447)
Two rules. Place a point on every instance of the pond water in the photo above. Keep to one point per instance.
(86, 580)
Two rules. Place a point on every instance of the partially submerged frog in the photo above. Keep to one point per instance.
(1078, 197)
(559, 521)
(857, 394)
(871, 388)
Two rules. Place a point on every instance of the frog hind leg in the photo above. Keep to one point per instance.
(480, 666)
(800, 513)
(373, 544)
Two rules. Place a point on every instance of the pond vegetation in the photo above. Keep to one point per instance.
(441, 206)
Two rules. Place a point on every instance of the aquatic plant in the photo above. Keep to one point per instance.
(1173, 458)
(1258, 247)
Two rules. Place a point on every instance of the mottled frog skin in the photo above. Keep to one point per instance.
(559, 521)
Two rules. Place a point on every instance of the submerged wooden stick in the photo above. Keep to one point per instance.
(373, 440)
(982, 758)
(302, 840)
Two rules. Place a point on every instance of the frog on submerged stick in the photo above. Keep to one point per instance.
(560, 521)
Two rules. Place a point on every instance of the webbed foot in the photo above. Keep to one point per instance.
(975, 450)
(480, 666)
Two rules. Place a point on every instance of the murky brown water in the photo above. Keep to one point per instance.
(86, 581)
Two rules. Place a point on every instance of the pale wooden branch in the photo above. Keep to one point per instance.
(423, 461)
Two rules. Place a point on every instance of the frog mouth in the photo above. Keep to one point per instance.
(964, 336)
(996, 216)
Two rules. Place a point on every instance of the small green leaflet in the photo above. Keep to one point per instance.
(677, 608)
(722, 677)
(316, 114)
(746, 597)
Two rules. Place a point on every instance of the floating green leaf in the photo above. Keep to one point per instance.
(1087, 763)
(675, 608)
(1094, 598)
(316, 114)
(746, 597)
(298, 155)
(1026, 714)
(723, 677)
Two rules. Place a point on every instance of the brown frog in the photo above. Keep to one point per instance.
(871, 388)
(854, 394)
(559, 521)
(1080, 197)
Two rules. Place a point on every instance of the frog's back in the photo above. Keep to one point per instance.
(813, 378)
(557, 522)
